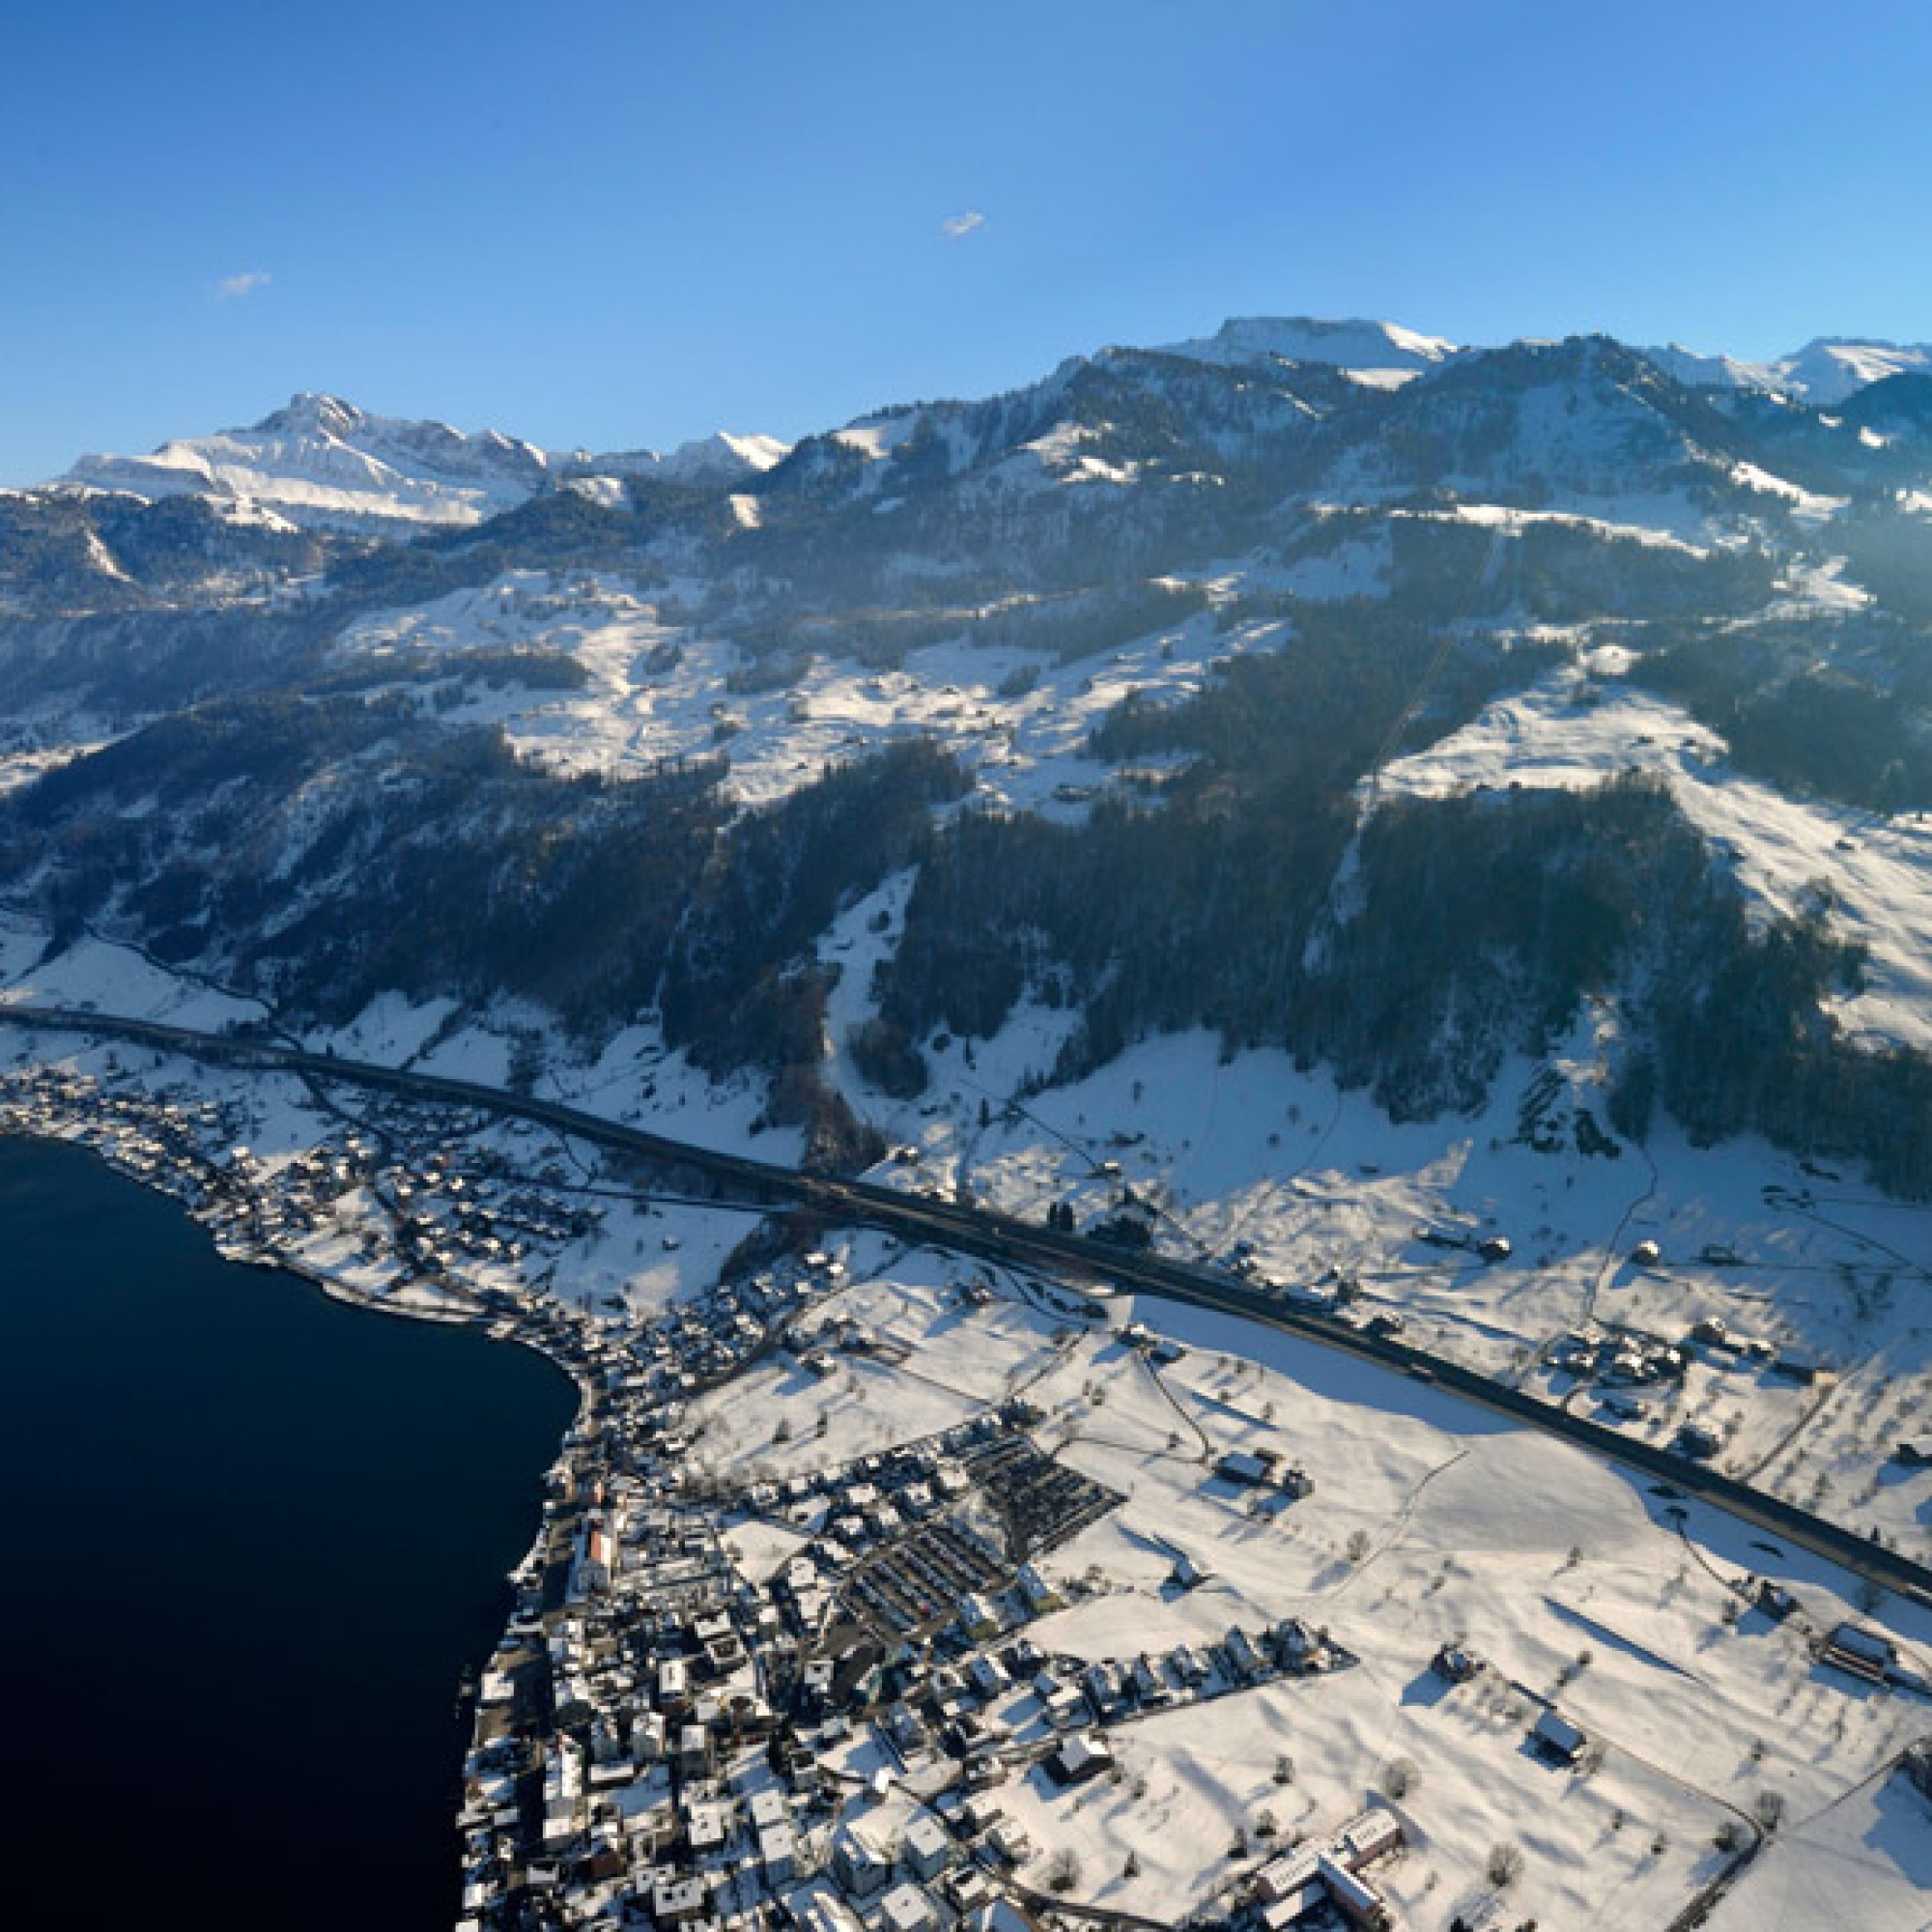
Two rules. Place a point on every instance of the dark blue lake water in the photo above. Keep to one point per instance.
(252, 1539)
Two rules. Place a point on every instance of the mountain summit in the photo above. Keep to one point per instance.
(1374, 349)
(1824, 373)
(321, 463)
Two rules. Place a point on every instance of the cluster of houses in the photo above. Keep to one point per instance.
(706, 1340)
(1623, 1364)
(168, 1141)
(664, 1739)
(1632, 1373)
(409, 1195)
(1108, 1690)
(1720, 1342)
(669, 1735)
(437, 1217)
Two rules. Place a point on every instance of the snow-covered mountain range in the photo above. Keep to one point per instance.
(1441, 834)
(1824, 372)
(1022, 646)
(321, 463)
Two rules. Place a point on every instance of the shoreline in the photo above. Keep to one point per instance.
(172, 1176)
(509, 1483)
(614, 1417)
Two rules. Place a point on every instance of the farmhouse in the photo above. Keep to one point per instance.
(1558, 1739)
(1080, 1757)
(1863, 1653)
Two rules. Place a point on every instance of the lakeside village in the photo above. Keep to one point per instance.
(859, 1731)
(658, 1740)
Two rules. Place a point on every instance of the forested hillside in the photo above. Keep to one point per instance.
(1125, 677)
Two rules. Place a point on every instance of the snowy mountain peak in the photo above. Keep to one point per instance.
(323, 463)
(707, 461)
(1832, 368)
(1824, 373)
(311, 413)
(1356, 346)
(1699, 371)
(723, 458)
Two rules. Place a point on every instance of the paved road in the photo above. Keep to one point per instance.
(1003, 1237)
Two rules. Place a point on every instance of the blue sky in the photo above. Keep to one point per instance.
(618, 224)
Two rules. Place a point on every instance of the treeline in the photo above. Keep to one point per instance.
(64, 555)
(1196, 913)
(1857, 728)
(529, 667)
(1462, 930)
(737, 987)
(1479, 923)
(320, 851)
(1064, 625)
(1555, 572)
(1888, 551)
(1315, 713)
(1475, 925)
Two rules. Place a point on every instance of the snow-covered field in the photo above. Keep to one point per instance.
(659, 689)
(1253, 1157)
(1576, 1584)
(96, 973)
(1864, 1859)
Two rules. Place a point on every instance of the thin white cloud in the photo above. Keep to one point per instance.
(232, 288)
(957, 227)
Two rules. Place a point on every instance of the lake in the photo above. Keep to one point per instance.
(254, 1538)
